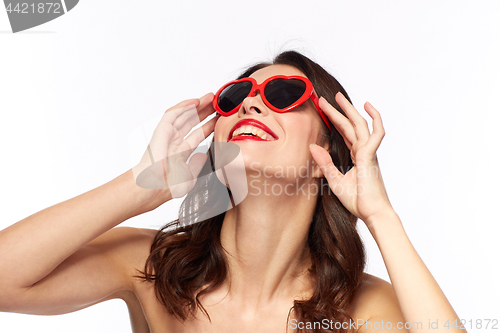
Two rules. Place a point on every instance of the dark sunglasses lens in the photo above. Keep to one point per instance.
(233, 95)
(282, 93)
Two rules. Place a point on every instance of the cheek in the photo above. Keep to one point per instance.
(303, 128)
(220, 129)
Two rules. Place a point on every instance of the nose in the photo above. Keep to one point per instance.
(253, 104)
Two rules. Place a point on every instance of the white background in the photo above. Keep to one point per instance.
(72, 90)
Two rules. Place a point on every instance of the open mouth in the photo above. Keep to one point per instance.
(251, 129)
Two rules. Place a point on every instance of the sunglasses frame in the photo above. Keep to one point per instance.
(308, 93)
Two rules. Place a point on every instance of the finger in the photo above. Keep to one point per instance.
(205, 108)
(341, 123)
(175, 111)
(201, 133)
(378, 128)
(185, 123)
(325, 163)
(196, 163)
(200, 103)
(206, 100)
(359, 123)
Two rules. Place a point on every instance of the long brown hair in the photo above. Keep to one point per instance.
(187, 259)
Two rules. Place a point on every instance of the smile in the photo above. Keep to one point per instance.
(251, 129)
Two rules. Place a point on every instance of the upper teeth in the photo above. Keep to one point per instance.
(249, 129)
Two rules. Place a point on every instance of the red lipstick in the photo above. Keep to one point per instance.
(253, 122)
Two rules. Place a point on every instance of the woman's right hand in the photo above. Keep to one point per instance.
(164, 165)
(69, 256)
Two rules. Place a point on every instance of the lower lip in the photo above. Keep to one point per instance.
(247, 137)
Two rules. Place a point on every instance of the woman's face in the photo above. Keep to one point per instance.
(285, 150)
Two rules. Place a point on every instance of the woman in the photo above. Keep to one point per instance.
(278, 261)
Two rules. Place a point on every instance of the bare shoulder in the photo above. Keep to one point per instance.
(376, 302)
(127, 247)
(373, 293)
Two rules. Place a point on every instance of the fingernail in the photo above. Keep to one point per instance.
(312, 144)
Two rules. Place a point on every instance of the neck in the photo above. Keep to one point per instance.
(265, 237)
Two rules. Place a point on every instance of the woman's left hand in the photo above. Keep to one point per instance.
(361, 190)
